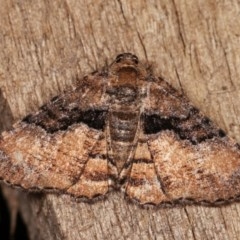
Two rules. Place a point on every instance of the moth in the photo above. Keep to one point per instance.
(127, 130)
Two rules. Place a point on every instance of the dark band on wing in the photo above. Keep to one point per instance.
(136, 182)
(139, 160)
(96, 176)
(53, 121)
(195, 128)
(100, 156)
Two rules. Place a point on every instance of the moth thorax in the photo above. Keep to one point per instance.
(127, 75)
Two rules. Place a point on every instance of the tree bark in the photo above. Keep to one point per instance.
(194, 45)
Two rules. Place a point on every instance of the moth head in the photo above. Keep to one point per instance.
(127, 62)
(127, 58)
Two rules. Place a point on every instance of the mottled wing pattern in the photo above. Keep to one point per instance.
(95, 179)
(87, 103)
(184, 157)
(205, 172)
(143, 184)
(51, 161)
(54, 149)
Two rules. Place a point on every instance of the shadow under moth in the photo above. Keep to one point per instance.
(122, 129)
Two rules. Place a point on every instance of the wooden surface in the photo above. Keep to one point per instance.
(194, 45)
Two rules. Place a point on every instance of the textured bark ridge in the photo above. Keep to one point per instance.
(122, 129)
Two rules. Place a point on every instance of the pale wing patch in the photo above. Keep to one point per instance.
(208, 171)
(94, 181)
(34, 159)
(142, 182)
(96, 175)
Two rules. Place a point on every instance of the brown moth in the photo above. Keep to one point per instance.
(122, 129)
